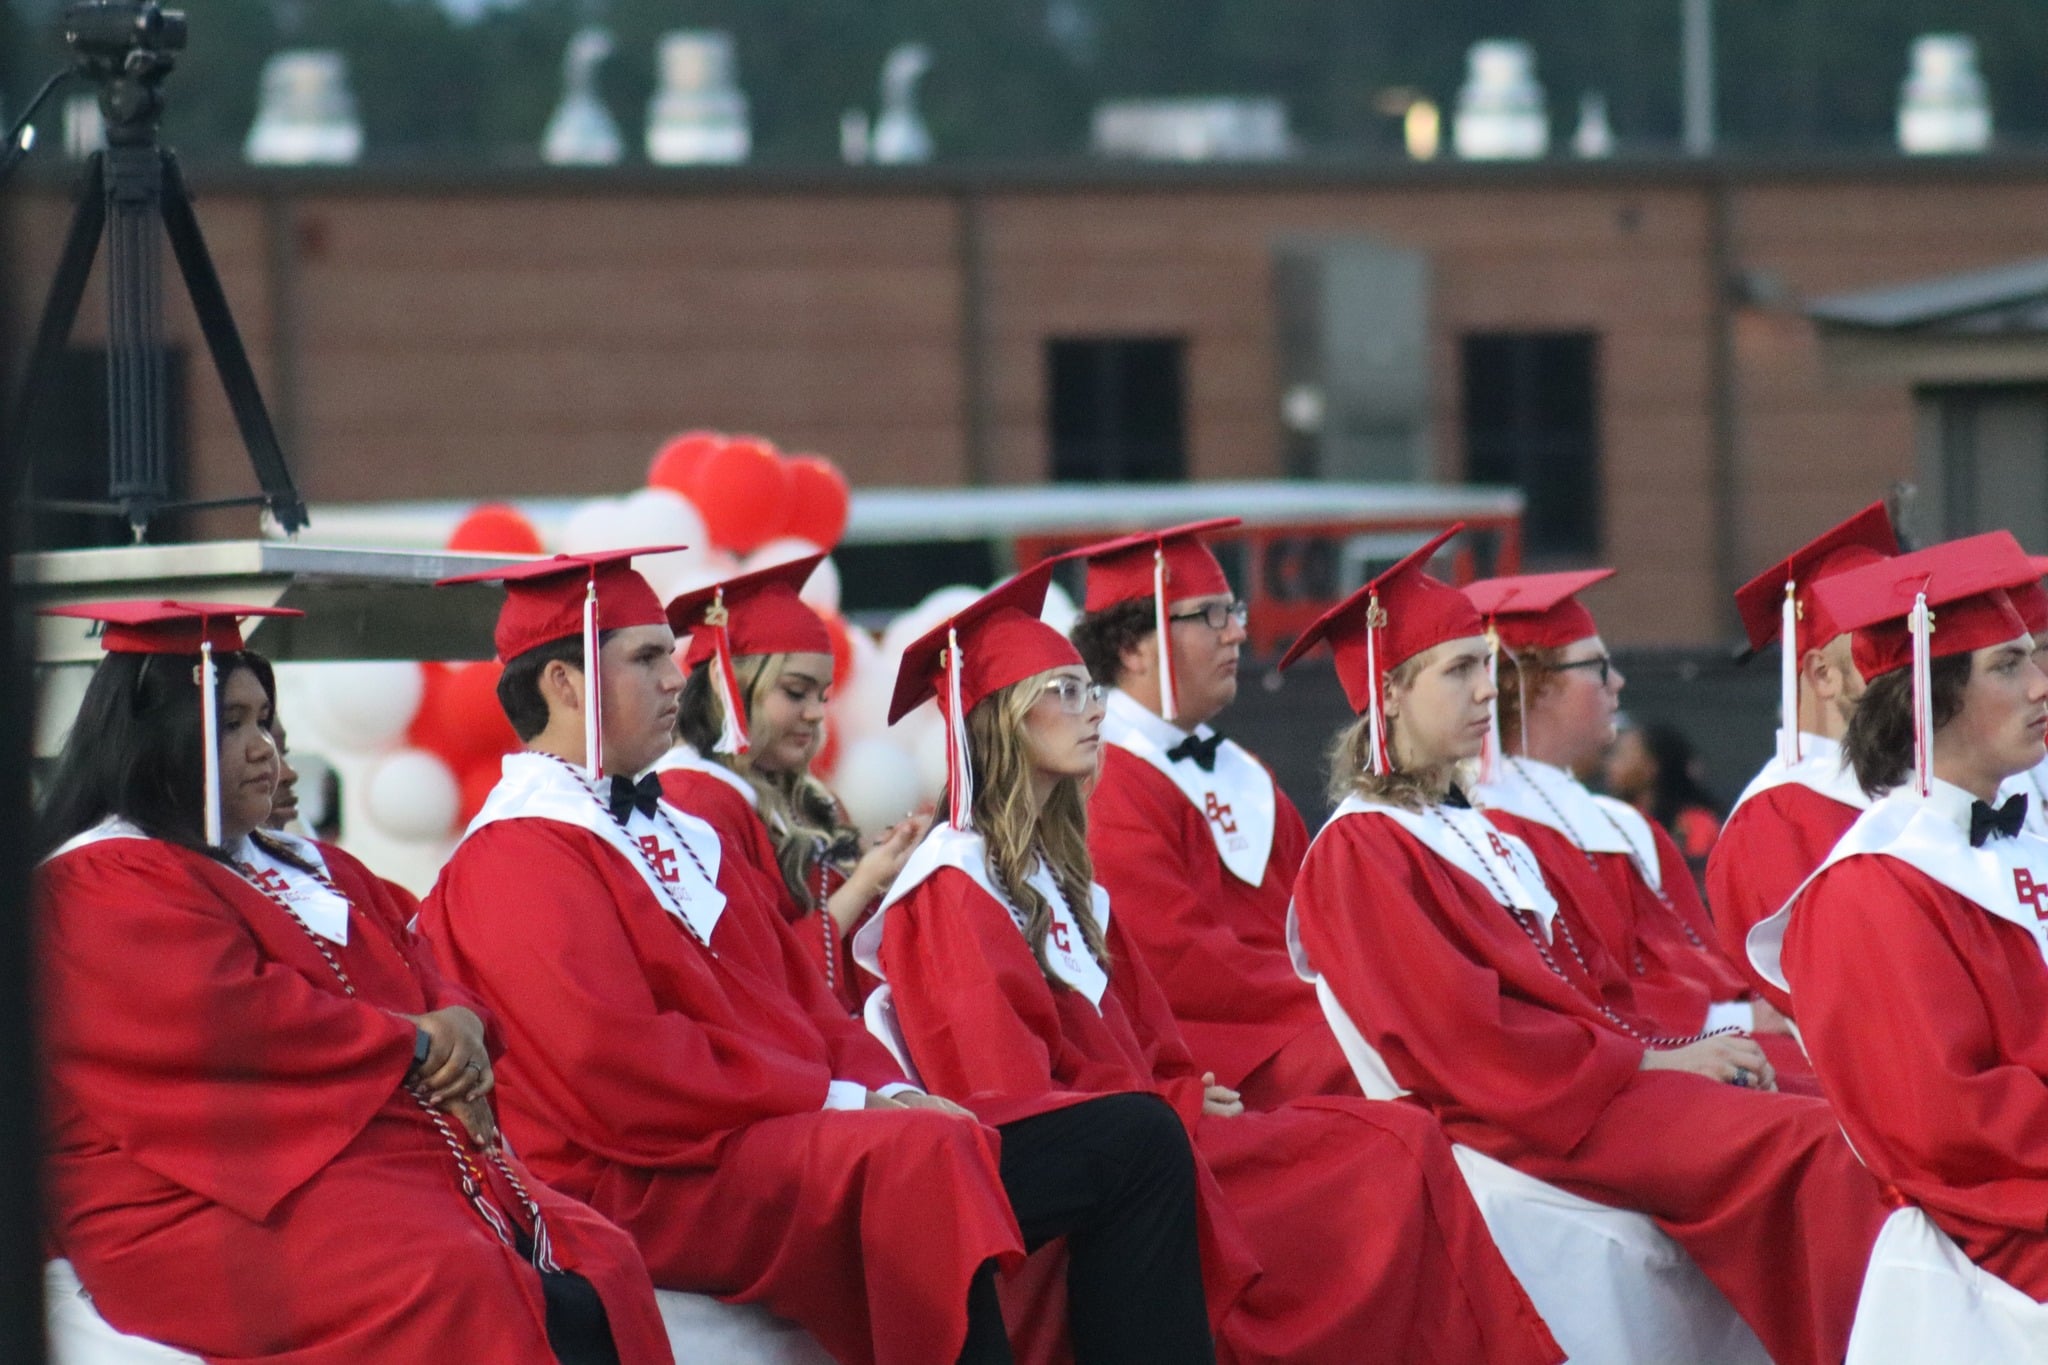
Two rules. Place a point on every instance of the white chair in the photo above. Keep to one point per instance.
(1923, 1300)
(701, 1330)
(880, 1016)
(1615, 1289)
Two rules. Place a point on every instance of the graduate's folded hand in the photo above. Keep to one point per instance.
(1728, 1057)
(917, 1099)
(1219, 1100)
(476, 1116)
(458, 1065)
(877, 1100)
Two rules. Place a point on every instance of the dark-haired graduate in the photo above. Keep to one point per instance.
(678, 1061)
(1443, 946)
(270, 1132)
(1017, 994)
(1618, 877)
(1916, 952)
(1805, 798)
(759, 672)
(1192, 838)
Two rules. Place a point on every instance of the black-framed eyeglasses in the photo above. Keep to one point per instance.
(1217, 616)
(1077, 696)
(1603, 662)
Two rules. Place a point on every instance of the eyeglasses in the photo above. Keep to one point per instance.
(1076, 696)
(1217, 616)
(1603, 662)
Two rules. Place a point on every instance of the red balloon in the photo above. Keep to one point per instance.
(742, 490)
(675, 464)
(459, 717)
(842, 651)
(495, 528)
(475, 785)
(818, 500)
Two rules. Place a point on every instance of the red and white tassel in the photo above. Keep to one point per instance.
(1169, 705)
(959, 763)
(1788, 678)
(593, 719)
(732, 725)
(1489, 753)
(1380, 763)
(209, 738)
(1921, 623)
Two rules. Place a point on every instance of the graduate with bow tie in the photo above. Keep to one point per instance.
(674, 1056)
(1195, 842)
(1918, 953)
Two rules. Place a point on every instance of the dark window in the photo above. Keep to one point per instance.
(66, 445)
(1116, 410)
(1532, 420)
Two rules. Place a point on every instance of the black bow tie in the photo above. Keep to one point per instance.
(2001, 823)
(629, 796)
(1456, 799)
(1202, 751)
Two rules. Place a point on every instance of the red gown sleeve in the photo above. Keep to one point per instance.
(1770, 845)
(524, 915)
(207, 1060)
(1418, 962)
(1886, 966)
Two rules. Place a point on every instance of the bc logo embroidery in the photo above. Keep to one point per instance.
(1060, 939)
(663, 860)
(270, 881)
(1500, 848)
(1219, 813)
(2029, 891)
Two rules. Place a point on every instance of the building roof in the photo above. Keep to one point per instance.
(2005, 300)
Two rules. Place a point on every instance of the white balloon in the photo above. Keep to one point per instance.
(877, 783)
(590, 527)
(926, 739)
(860, 700)
(821, 589)
(937, 607)
(781, 550)
(413, 796)
(1059, 611)
(366, 706)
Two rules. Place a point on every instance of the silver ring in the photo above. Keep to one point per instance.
(1744, 1077)
(472, 1066)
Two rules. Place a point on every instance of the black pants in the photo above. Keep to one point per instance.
(579, 1330)
(1115, 1177)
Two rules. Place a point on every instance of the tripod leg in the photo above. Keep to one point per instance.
(230, 358)
(60, 312)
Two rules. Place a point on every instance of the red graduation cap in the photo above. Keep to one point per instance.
(1944, 600)
(983, 648)
(2030, 600)
(1779, 602)
(1167, 566)
(167, 627)
(1390, 620)
(753, 613)
(1526, 612)
(550, 599)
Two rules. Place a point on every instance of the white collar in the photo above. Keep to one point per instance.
(542, 787)
(1551, 796)
(1236, 796)
(1501, 864)
(685, 758)
(1822, 768)
(966, 851)
(308, 898)
(113, 827)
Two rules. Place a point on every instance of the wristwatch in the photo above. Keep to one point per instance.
(421, 1046)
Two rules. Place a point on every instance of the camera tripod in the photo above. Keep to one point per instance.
(132, 191)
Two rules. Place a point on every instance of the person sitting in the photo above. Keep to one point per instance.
(677, 1059)
(1617, 875)
(271, 1137)
(1435, 933)
(1916, 951)
(1190, 835)
(1018, 994)
(752, 721)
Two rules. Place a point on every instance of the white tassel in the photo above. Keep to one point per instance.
(732, 725)
(209, 737)
(593, 721)
(1788, 678)
(1489, 753)
(959, 763)
(1921, 623)
(1380, 760)
(1169, 705)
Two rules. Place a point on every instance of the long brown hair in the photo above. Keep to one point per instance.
(804, 818)
(1016, 839)
(1351, 754)
(1879, 741)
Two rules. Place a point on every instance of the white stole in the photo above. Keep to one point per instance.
(1553, 798)
(1236, 800)
(323, 911)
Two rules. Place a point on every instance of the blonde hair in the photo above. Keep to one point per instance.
(1350, 758)
(804, 819)
(1016, 838)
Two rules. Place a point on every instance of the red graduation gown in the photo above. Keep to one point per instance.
(682, 1094)
(1674, 976)
(745, 836)
(1771, 843)
(1519, 1064)
(234, 1168)
(1928, 1021)
(1214, 943)
(1368, 1243)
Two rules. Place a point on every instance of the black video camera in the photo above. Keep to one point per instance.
(109, 30)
